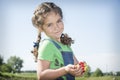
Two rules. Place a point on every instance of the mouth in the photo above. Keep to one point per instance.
(58, 33)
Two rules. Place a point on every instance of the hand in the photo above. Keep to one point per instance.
(70, 69)
(76, 70)
(80, 68)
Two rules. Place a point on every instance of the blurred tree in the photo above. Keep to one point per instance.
(117, 73)
(87, 73)
(15, 63)
(97, 73)
(1, 60)
(110, 73)
(5, 68)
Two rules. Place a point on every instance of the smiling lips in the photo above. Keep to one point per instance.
(59, 32)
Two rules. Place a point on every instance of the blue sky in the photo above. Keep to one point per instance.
(94, 25)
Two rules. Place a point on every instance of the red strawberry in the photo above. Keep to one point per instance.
(83, 66)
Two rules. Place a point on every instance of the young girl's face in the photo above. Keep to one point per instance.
(53, 26)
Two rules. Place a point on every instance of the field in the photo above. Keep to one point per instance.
(32, 76)
(18, 76)
(100, 78)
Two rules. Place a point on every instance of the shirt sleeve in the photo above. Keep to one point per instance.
(46, 51)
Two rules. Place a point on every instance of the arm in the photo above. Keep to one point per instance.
(75, 60)
(44, 73)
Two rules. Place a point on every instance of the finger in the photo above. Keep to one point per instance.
(79, 72)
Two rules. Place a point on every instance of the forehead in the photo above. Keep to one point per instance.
(52, 16)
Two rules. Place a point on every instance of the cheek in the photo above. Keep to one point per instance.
(62, 26)
(48, 32)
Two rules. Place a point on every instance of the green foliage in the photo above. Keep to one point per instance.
(1, 60)
(97, 73)
(15, 63)
(5, 68)
(32, 76)
(87, 73)
(118, 73)
(18, 76)
(99, 78)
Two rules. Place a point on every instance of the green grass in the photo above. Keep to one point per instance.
(32, 76)
(26, 75)
(18, 76)
(100, 78)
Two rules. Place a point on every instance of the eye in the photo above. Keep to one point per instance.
(49, 25)
(60, 20)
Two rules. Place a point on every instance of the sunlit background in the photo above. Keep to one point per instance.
(93, 24)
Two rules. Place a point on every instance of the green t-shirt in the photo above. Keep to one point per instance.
(48, 51)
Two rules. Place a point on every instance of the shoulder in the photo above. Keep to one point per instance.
(65, 47)
(46, 50)
(46, 43)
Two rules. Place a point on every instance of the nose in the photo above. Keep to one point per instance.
(56, 27)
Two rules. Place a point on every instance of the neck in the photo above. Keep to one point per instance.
(57, 39)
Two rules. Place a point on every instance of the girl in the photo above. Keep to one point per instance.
(54, 56)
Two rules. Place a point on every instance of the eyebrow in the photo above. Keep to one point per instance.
(51, 22)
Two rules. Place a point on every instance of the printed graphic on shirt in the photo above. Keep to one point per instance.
(57, 63)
